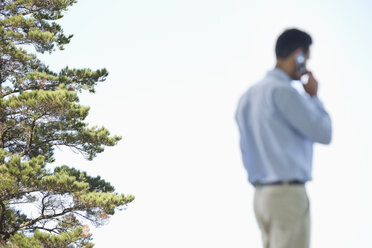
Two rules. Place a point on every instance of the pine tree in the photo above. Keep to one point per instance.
(39, 111)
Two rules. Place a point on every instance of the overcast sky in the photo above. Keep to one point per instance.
(177, 70)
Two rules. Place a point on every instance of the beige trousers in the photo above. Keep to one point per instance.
(283, 216)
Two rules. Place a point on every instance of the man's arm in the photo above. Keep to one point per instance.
(305, 115)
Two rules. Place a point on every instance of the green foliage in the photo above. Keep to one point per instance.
(39, 111)
(79, 237)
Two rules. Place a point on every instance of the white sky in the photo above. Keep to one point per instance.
(177, 69)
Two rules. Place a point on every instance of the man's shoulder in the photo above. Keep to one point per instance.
(268, 84)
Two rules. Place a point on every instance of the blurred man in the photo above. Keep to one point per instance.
(278, 127)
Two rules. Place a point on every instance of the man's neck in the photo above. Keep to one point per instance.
(283, 67)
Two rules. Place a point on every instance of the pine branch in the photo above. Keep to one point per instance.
(30, 223)
(2, 216)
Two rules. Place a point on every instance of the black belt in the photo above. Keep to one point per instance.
(294, 182)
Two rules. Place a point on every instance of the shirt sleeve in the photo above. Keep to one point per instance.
(306, 115)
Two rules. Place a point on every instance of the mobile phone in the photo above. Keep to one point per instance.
(300, 62)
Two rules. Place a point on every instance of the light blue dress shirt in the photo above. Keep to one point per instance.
(278, 127)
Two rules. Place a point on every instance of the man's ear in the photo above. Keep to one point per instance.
(296, 52)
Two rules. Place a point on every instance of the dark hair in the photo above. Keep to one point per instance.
(290, 40)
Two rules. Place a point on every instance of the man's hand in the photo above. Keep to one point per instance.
(311, 87)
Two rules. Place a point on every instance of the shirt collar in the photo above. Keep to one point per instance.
(279, 74)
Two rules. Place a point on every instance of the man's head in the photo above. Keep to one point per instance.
(289, 45)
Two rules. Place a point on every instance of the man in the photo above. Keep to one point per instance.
(278, 127)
